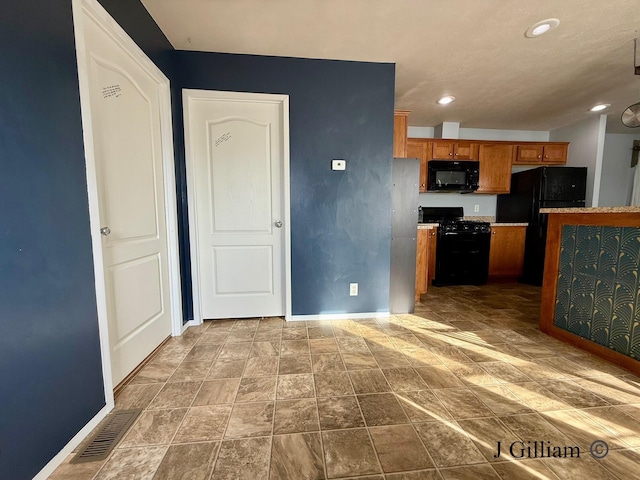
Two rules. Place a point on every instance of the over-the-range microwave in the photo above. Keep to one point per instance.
(452, 176)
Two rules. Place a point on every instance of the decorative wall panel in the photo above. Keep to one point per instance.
(598, 295)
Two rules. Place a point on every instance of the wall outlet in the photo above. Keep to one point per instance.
(338, 164)
(353, 289)
(476, 208)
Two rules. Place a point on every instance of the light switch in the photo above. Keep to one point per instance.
(338, 164)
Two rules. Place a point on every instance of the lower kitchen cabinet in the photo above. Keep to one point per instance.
(425, 259)
(506, 254)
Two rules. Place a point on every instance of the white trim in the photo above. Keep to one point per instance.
(597, 175)
(92, 192)
(190, 323)
(189, 95)
(56, 461)
(338, 316)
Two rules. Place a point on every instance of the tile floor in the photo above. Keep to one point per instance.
(422, 396)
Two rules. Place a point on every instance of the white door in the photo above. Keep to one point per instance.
(235, 147)
(128, 150)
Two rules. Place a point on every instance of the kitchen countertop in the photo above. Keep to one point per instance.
(429, 226)
(592, 210)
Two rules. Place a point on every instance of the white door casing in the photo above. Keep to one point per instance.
(130, 176)
(238, 182)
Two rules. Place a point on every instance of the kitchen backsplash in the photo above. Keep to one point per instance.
(486, 203)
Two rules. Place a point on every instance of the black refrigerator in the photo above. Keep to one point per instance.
(531, 190)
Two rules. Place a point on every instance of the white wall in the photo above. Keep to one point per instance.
(486, 203)
(586, 150)
(617, 175)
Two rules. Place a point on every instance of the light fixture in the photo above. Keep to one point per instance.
(543, 26)
(446, 100)
(600, 107)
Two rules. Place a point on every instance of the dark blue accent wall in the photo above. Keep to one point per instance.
(340, 221)
(50, 366)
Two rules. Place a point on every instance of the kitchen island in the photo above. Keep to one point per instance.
(591, 286)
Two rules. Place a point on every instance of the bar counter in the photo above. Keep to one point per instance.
(591, 286)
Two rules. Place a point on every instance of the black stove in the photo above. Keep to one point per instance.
(462, 249)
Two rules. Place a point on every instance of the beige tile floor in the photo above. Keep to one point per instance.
(421, 396)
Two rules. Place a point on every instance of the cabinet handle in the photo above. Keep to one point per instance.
(450, 154)
(539, 156)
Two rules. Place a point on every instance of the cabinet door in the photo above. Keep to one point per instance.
(442, 150)
(400, 125)
(421, 263)
(495, 167)
(432, 241)
(529, 154)
(555, 154)
(419, 148)
(506, 254)
(465, 151)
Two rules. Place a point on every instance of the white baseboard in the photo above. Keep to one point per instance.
(56, 461)
(190, 323)
(337, 316)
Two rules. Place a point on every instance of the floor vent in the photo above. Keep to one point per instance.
(107, 437)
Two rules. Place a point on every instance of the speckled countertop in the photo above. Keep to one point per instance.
(592, 210)
(428, 226)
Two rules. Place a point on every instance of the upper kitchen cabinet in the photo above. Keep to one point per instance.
(495, 167)
(400, 126)
(454, 150)
(541, 153)
(420, 148)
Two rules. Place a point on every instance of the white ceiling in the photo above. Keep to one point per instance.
(473, 49)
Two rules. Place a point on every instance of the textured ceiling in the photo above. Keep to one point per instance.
(473, 49)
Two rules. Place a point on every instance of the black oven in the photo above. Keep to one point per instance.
(451, 176)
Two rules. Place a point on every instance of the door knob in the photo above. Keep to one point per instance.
(105, 231)
(278, 224)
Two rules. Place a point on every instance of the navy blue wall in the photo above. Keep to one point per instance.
(340, 221)
(50, 368)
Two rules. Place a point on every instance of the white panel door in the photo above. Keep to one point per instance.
(236, 149)
(126, 128)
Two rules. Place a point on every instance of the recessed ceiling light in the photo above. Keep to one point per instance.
(446, 100)
(599, 108)
(541, 27)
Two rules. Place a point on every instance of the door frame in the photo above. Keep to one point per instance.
(92, 9)
(189, 95)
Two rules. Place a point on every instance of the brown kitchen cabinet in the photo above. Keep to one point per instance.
(420, 148)
(495, 167)
(506, 252)
(454, 150)
(400, 127)
(541, 153)
(425, 259)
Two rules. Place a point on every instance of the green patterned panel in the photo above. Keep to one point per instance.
(598, 295)
(565, 269)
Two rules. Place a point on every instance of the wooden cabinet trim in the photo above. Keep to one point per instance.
(400, 133)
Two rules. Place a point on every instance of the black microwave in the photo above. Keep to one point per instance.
(452, 176)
